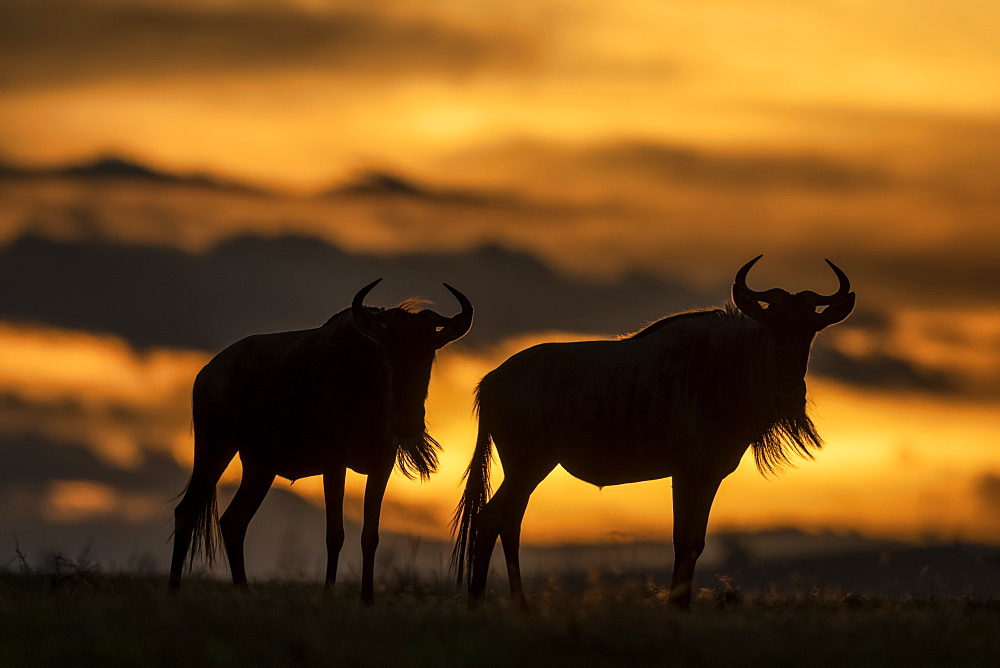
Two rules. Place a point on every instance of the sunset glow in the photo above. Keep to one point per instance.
(175, 176)
(894, 465)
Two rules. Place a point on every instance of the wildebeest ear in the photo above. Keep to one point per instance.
(839, 309)
(747, 303)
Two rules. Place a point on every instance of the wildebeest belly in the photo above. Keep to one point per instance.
(612, 470)
(293, 461)
(611, 460)
(301, 459)
(294, 471)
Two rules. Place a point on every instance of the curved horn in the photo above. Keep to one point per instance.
(458, 325)
(741, 277)
(362, 318)
(845, 285)
(747, 300)
(462, 300)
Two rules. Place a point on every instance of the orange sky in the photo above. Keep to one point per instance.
(673, 140)
(228, 87)
(899, 466)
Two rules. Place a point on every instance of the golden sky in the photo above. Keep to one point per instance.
(607, 142)
(899, 465)
(299, 93)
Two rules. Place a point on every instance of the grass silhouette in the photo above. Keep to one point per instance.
(85, 617)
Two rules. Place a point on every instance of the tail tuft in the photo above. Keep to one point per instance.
(477, 493)
(207, 535)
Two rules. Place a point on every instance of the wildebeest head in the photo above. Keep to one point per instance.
(410, 340)
(792, 320)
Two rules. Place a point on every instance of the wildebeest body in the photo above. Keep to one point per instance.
(683, 398)
(625, 396)
(349, 394)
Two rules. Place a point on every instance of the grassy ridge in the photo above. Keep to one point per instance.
(114, 620)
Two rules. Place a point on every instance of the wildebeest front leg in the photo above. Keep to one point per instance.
(333, 491)
(693, 497)
(374, 491)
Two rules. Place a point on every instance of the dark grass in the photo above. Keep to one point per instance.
(92, 619)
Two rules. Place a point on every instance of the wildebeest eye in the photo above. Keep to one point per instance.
(438, 329)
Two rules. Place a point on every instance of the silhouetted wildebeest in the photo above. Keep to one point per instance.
(683, 398)
(349, 394)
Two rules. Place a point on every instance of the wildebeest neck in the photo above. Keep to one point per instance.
(410, 378)
(791, 360)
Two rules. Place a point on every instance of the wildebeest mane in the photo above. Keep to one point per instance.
(657, 325)
(413, 304)
(729, 368)
(410, 305)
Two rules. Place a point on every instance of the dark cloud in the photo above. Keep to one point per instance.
(158, 296)
(118, 169)
(154, 296)
(955, 274)
(378, 184)
(869, 320)
(881, 371)
(118, 200)
(738, 170)
(33, 462)
(82, 40)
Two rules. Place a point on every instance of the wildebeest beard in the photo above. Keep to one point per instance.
(417, 455)
(792, 430)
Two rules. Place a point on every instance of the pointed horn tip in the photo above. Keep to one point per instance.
(363, 292)
(370, 285)
(746, 267)
(741, 275)
(845, 283)
(833, 266)
(458, 295)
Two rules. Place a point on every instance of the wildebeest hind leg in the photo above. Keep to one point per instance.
(510, 532)
(502, 516)
(234, 522)
(199, 498)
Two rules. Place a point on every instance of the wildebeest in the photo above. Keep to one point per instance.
(683, 398)
(349, 394)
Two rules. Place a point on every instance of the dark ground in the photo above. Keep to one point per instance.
(83, 617)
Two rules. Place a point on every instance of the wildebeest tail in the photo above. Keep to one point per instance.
(477, 492)
(206, 535)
